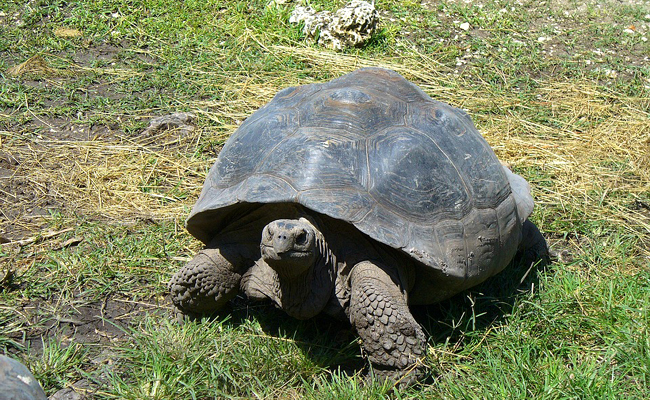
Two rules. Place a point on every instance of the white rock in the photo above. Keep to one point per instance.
(350, 26)
(464, 26)
(610, 73)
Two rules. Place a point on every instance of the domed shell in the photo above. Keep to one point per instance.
(372, 149)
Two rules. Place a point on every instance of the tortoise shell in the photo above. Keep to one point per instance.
(372, 149)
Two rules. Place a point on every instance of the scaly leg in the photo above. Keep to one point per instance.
(533, 246)
(207, 282)
(393, 341)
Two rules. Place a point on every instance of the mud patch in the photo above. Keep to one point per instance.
(90, 329)
(81, 322)
(23, 201)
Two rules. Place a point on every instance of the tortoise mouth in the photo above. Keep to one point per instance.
(268, 252)
(288, 264)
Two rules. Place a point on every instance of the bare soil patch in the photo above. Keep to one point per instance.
(79, 321)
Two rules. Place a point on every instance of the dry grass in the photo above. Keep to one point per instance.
(113, 179)
(34, 65)
(594, 146)
(68, 33)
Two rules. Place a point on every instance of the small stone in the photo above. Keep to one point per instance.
(610, 73)
(181, 121)
(464, 26)
(66, 394)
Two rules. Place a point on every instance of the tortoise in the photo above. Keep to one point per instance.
(356, 198)
(17, 382)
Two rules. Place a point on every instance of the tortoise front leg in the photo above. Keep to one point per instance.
(393, 341)
(207, 282)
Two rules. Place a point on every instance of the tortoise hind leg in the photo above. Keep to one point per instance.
(207, 282)
(533, 246)
(393, 341)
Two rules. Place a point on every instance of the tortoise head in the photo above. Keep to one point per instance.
(289, 246)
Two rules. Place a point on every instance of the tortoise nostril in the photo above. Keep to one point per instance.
(301, 238)
(268, 234)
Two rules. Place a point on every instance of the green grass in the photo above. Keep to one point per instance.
(102, 207)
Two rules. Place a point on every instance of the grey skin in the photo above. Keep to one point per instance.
(357, 198)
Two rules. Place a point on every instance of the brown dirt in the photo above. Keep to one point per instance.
(79, 321)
